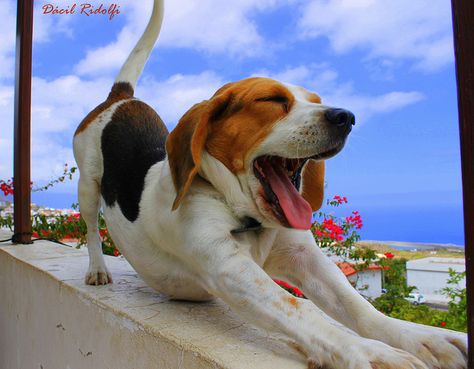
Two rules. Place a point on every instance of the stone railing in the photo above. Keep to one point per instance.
(49, 319)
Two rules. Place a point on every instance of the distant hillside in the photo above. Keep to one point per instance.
(412, 251)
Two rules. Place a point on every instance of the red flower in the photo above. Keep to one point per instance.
(442, 324)
(102, 232)
(7, 187)
(389, 255)
(334, 231)
(355, 219)
(340, 199)
(73, 217)
(116, 252)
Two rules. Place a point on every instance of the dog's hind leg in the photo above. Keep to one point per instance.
(89, 203)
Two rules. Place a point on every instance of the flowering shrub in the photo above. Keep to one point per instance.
(393, 303)
(67, 174)
(6, 187)
(71, 228)
(457, 306)
(339, 234)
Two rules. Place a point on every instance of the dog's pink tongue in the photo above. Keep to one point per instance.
(296, 208)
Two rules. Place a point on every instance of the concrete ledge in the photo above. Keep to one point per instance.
(49, 319)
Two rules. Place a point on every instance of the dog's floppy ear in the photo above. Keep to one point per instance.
(187, 141)
(312, 186)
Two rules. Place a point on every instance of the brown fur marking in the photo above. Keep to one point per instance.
(298, 348)
(119, 91)
(293, 301)
(312, 188)
(229, 126)
(312, 97)
(313, 365)
(246, 128)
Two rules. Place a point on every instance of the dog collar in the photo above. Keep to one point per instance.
(248, 224)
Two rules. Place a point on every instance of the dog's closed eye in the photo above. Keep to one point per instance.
(275, 99)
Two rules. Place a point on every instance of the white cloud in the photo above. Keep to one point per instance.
(404, 29)
(44, 29)
(59, 105)
(57, 108)
(174, 96)
(323, 80)
(7, 39)
(6, 131)
(109, 58)
(62, 103)
(214, 25)
(211, 26)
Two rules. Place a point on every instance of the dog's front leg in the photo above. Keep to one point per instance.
(230, 273)
(296, 258)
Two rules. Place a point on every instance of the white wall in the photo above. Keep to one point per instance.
(49, 319)
(430, 283)
(430, 275)
(369, 283)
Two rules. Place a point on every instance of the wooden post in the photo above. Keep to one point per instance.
(463, 15)
(22, 131)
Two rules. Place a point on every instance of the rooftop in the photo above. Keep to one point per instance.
(437, 264)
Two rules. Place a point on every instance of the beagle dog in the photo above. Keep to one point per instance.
(223, 204)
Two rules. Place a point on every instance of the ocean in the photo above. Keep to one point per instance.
(441, 224)
(426, 223)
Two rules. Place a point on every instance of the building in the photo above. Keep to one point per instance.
(368, 282)
(429, 276)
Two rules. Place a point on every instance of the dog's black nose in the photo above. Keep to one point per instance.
(340, 117)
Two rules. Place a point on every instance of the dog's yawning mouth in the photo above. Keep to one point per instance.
(280, 179)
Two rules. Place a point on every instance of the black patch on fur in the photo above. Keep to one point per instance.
(132, 142)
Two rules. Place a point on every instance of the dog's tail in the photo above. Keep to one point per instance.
(135, 62)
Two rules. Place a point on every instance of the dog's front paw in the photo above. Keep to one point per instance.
(437, 348)
(368, 354)
(98, 276)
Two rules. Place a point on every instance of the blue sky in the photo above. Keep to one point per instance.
(391, 63)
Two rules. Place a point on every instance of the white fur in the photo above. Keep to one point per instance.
(135, 62)
(191, 254)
